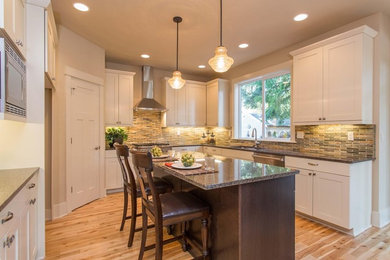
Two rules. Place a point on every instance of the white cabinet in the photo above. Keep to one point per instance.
(51, 40)
(112, 171)
(333, 79)
(230, 153)
(185, 106)
(118, 96)
(188, 148)
(218, 103)
(337, 193)
(13, 22)
(18, 233)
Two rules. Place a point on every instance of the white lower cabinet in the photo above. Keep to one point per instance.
(338, 193)
(112, 171)
(230, 153)
(18, 222)
(188, 149)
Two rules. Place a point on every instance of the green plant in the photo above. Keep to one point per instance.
(115, 134)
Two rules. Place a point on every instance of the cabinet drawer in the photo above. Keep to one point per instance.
(243, 155)
(213, 150)
(318, 165)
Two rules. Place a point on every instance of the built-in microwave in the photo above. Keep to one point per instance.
(12, 80)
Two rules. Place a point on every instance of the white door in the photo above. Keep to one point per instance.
(196, 104)
(307, 86)
(84, 148)
(181, 114)
(125, 99)
(111, 99)
(212, 104)
(331, 198)
(170, 104)
(304, 192)
(343, 70)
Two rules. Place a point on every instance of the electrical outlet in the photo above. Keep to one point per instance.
(178, 132)
(350, 136)
(300, 134)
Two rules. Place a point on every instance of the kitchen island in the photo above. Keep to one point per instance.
(252, 207)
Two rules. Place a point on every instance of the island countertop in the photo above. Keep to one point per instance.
(230, 172)
(11, 181)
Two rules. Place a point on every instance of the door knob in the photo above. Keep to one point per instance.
(97, 148)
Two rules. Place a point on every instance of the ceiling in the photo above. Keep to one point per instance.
(128, 28)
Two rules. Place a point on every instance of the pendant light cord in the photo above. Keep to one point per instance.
(177, 46)
(220, 25)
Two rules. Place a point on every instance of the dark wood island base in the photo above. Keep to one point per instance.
(249, 221)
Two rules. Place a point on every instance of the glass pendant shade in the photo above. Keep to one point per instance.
(221, 62)
(176, 82)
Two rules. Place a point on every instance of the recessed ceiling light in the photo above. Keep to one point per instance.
(202, 66)
(145, 56)
(81, 7)
(300, 17)
(243, 45)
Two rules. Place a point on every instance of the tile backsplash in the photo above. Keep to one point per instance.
(324, 139)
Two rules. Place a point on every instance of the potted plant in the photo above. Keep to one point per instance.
(115, 135)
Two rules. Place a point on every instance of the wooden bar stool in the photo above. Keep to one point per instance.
(167, 209)
(132, 188)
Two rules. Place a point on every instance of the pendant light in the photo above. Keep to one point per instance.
(221, 62)
(176, 82)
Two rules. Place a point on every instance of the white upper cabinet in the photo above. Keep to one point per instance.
(333, 79)
(51, 40)
(13, 22)
(185, 106)
(307, 90)
(118, 97)
(218, 91)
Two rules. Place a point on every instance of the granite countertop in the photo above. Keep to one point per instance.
(11, 181)
(318, 156)
(231, 172)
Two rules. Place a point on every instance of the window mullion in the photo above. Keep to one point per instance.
(263, 110)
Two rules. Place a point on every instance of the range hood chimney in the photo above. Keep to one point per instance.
(147, 102)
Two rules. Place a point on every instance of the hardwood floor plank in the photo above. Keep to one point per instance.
(92, 232)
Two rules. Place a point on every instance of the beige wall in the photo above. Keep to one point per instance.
(78, 53)
(158, 75)
(381, 166)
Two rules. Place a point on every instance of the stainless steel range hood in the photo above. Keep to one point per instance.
(147, 102)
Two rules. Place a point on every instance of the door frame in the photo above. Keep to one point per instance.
(70, 74)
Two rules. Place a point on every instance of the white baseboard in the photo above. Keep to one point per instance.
(380, 218)
(47, 214)
(59, 210)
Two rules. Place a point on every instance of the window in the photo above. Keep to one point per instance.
(264, 103)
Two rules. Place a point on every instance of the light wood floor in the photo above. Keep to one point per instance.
(92, 232)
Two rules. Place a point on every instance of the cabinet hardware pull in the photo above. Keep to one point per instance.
(9, 216)
(319, 118)
(53, 79)
(97, 147)
(323, 118)
(312, 164)
(9, 241)
(32, 185)
(309, 173)
(314, 174)
(32, 202)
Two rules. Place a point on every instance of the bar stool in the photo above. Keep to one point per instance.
(167, 209)
(131, 187)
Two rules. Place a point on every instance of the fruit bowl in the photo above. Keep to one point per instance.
(187, 160)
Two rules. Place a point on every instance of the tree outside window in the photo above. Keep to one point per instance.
(265, 104)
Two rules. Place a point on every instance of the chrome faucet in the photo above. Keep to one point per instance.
(254, 134)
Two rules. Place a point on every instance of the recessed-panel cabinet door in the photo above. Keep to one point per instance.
(304, 192)
(20, 25)
(125, 100)
(343, 79)
(196, 105)
(181, 106)
(331, 198)
(307, 86)
(111, 99)
(170, 104)
(212, 104)
(113, 174)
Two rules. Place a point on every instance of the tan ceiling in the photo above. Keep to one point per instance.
(128, 28)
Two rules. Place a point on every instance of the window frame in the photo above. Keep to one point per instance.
(263, 75)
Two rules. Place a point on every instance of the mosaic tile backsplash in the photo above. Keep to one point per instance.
(324, 139)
